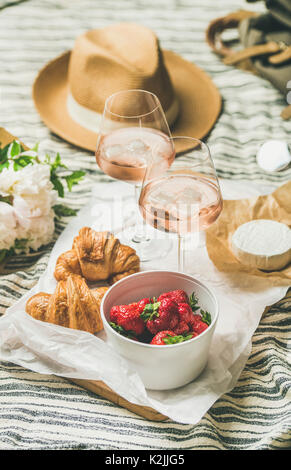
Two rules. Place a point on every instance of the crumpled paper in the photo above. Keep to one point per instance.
(275, 206)
(52, 349)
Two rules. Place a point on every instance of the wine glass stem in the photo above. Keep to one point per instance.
(181, 253)
(139, 230)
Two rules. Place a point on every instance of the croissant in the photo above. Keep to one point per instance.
(97, 256)
(72, 305)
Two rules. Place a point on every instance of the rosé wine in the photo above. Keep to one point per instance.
(125, 153)
(181, 203)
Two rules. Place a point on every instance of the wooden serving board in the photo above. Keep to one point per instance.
(98, 387)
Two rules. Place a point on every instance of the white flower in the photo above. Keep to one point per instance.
(33, 199)
(31, 183)
(40, 231)
(8, 226)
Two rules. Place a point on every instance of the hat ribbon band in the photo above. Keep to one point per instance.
(91, 120)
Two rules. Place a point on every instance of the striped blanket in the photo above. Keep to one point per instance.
(46, 412)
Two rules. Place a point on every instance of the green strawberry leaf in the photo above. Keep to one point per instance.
(150, 311)
(205, 316)
(176, 339)
(193, 302)
(128, 333)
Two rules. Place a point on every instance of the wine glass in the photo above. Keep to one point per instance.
(185, 198)
(133, 123)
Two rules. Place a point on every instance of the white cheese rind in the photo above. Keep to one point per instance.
(262, 244)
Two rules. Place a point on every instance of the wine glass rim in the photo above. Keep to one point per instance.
(194, 139)
(136, 115)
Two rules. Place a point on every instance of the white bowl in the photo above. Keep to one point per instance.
(167, 366)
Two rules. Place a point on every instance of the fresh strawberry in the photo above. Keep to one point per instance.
(199, 327)
(159, 337)
(181, 328)
(114, 312)
(123, 332)
(185, 313)
(192, 334)
(166, 318)
(172, 312)
(179, 296)
(197, 320)
(170, 337)
(141, 305)
(128, 317)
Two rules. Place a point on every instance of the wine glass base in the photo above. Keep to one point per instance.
(147, 249)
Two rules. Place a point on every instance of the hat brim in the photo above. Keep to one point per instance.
(199, 101)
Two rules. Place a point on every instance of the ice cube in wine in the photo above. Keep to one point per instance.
(180, 203)
(125, 153)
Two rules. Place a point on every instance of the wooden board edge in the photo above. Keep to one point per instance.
(7, 138)
(100, 388)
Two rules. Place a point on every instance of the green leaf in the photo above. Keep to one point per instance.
(4, 153)
(57, 163)
(47, 159)
(14, 149)
(22, 161)
(20, 243)
(7, 199)
(176, 339)
(16, 154)
(128, 333)
(4, 165)
(74, 178)
(206, 317)
(150, 311)
(35, 147)
(63, 211)
(193, 302)
(58, 185)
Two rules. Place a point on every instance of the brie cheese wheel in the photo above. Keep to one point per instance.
(262, 244)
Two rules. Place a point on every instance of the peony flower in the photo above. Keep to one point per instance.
(28, 197)
(27, 183)
(8, 226)
(33, 197)
(40, 231)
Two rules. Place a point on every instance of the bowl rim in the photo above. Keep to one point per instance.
(158, 346)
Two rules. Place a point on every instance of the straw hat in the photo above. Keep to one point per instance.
(70, 91)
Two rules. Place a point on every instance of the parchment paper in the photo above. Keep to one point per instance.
(52, 349)
(275, 206)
